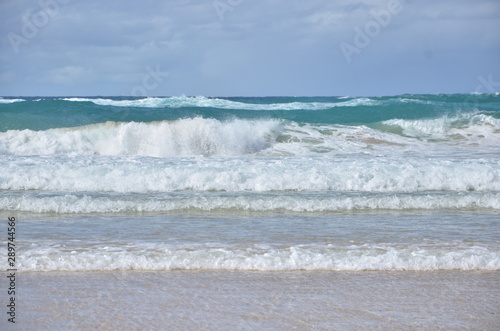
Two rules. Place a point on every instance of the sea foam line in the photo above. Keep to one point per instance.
(6, 101)
(320, 257)
(472, 128)
(204, 102)
(81, 204)
(149, 175)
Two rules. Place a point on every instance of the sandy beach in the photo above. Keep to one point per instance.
(206, 300)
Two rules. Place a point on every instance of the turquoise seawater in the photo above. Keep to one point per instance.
(45, 113)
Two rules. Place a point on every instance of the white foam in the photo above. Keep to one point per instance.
(193, 136)
(474, 129)
(71, 203)
(180, 102)
(309, 139)
(10, 100)
(104, 257)
(210, 137)
(139, 174)
(409, 100)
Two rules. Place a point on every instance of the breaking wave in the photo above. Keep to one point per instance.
(194, 136)
(259, 257)
(472, 128)
(204, 102)
(84, 203)
(143, 175)
(272, 137)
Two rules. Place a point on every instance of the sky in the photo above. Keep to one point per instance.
(248, 47)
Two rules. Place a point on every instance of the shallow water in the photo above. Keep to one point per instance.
(209, 300)
(265, 242)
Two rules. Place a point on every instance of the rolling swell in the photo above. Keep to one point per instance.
(47, 113)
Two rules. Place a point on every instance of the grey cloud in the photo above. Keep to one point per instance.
(264, 47)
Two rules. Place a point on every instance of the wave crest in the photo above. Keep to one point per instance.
(475, 128)
(186, 137)
(204, 102)
(144, 175)
(82, 204)
(299, 257)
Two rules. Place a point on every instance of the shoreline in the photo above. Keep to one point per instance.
(247, 300)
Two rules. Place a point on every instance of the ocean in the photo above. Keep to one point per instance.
(253, 212)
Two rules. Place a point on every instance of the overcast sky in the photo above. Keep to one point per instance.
(247, 47)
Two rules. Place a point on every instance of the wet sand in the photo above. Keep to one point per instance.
(222, 300)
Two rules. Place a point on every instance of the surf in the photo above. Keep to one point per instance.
(247, 174)
(200, 136)
(314, 257)
(185, 137)
(247, 202)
